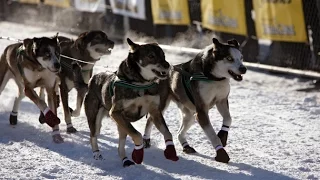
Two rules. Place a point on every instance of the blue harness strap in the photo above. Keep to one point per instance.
(123, 83)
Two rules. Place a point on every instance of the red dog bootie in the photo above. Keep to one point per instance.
(51, 118)
(137, 154)
(170, 152)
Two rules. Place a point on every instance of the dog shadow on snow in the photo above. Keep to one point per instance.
(77, 147)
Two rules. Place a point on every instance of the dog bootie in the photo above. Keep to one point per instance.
(137, 154)
(223, 135)
(222, 155)
(126, 162)
(51, 118)
(170, 152)
(13, 118)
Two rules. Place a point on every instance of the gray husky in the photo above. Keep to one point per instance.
(132, 92)
(199, 84)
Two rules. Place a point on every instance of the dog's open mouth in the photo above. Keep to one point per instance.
(104, 50)
(161, 75)
(235, 76)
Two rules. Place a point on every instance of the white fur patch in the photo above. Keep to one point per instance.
(49, 64)
(216, 90)
(145, 102)
(49, 78)
(92, 50)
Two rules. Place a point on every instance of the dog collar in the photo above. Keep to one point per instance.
(126, 84)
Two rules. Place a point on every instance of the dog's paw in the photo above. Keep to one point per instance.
(57, 138)
(51, 119)
(223, 135)
(170, 153)
(42, 119)
(146, 143)
(137, 154)
(222, 156)
(97, 156)
(126, 162)
(13, 119)
(71, 130)
(189, 150)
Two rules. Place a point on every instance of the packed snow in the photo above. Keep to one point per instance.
(274, 135)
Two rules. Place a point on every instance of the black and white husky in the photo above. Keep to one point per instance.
(199, 84)
(126, 96)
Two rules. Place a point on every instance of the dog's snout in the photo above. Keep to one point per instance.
(242, 69)
(56, 65)
(111, 43)
(163, 73)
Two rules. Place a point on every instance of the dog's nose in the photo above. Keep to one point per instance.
(242, 69)
(163, 73)
(57, 65)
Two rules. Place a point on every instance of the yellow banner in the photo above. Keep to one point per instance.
(280, 20)
(30, 1)
(58, 3)
(175, 12)
(224, 16)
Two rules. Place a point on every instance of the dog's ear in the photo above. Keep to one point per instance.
(27, 43)
(234, 42)
(56, 38)
(79, 43)
(216, 43)
(133, 46)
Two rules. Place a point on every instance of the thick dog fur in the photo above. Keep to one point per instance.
(144, 65)
(218, 62)
(88, 47)
(33, 63)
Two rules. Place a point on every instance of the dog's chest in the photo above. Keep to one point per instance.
(40, 78)
(140, 106)
(211, 92)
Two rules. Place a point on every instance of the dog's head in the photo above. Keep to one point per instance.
(224, 60)
(149, 60)
(95, 42)
(45, 50)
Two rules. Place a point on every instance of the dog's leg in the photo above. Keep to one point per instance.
(121, 148)
(52, 102)
(187, 122)
(51, 118)
(80, 96)
(159, 122)
(138, 152)
(147, 133)
(65, 104)
(42, 96)
(17, 101)
(5, 78)
(94, 137)
(223, 108)
(204, 121)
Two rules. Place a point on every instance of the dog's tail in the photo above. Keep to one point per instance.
(78, 78)
(3, 70)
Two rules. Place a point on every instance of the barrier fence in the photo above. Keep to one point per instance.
(283, 33)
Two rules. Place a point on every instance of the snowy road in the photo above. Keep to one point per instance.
(275, 134)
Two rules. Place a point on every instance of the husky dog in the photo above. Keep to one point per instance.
(33, 63)
(126, 96)
(199, 84)
(88, 47)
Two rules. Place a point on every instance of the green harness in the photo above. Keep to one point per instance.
(186, 81)
(126, 84)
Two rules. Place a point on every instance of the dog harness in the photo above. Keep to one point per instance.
(126, 84)
(186, 81)
(21, 52)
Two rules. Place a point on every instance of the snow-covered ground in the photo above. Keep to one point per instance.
(275, 134)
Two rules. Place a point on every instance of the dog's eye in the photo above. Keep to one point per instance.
(151, 56)
(229, 58)
(47, 54)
